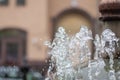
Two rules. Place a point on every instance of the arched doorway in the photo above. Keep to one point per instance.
(72, 19)
(12, 46)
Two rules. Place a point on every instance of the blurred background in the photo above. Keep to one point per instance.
(26, 24)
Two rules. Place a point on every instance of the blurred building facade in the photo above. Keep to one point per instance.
(26, 24)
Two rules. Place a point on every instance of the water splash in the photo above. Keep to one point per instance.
(60, 57)
(106, 45)
(84, 36)
(69, 55)
(99, 49)
(109, 41)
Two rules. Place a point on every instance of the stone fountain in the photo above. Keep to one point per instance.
(110, 17)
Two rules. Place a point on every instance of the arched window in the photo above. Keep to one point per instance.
(12, 46)
(3, 2)
(72, 19)
(20, 2)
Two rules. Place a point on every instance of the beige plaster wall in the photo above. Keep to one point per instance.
(57, 6)
(33, 18)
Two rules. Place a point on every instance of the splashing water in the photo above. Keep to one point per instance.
(85, 52)
(109, 39)
(69, 55)
(99, 49)
(60, 57)
(106, 44)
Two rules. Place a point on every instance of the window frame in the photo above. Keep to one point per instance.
(4, 2)
(20, 2)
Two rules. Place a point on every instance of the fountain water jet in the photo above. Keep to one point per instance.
(66, 51)
(107, 44)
